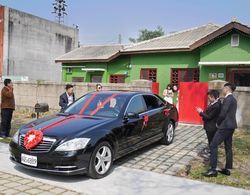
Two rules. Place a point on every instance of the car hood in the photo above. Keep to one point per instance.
(64, 126)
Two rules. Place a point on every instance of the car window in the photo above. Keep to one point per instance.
(152, 102)
(136, 105)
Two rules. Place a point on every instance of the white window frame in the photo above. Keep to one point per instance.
(237, 42)
(68, 70)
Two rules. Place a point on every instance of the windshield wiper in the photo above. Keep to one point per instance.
(63, 114)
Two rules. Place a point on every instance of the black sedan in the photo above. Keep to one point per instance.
(94, 131)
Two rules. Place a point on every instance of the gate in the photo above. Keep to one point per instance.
(191, 96)
(155, 88)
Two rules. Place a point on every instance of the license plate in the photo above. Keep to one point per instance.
(29, 160)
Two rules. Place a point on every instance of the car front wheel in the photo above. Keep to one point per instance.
(169, 133)
(101, 161)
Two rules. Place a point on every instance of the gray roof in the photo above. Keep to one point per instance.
(179, 40)
(175, 41)
(100, 53)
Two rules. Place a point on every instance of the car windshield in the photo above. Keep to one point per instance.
(98, 104)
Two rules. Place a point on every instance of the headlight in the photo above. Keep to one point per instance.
(15, 137)
(74, 144)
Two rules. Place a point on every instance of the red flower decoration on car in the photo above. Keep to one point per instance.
(146, 118)
(166, 111)
(32, 139)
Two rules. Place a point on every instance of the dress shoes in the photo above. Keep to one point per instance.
(210, 173)
(225, 172)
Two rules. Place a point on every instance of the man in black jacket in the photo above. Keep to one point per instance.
(67, 98)
(210, 115)
(226, 124)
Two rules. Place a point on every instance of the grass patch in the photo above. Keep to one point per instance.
(20, 118)
(5, 140)
(240, 175)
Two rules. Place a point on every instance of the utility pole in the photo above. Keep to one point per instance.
(120, 39)
(59, 10)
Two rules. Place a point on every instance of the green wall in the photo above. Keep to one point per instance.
(217, 70)
(163, 62)
(78, 72)
(119, 66)
(221, 50)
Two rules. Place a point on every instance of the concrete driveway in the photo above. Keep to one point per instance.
(122, 181)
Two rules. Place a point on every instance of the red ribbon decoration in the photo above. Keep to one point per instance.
(166, 111)
(87, 103)
(145, 122)
(34, 137)
(103, 104)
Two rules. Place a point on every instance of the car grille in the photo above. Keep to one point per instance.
(44, 146)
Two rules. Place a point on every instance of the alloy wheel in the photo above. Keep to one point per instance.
(103, 160)
(170, 132)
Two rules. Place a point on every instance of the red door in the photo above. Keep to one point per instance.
(192, 95)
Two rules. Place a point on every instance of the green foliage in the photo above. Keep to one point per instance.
(146, 34)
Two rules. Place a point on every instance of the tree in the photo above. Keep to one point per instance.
(146, 34)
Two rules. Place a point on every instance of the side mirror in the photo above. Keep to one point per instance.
(130, 115)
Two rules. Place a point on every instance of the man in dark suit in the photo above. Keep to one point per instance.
(226, 124)
(210, 115)
(67, 98)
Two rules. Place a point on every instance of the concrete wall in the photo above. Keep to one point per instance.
(31, 45)
(242, 95)
(27, 94)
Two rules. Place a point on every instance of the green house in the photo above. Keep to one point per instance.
(204, 53)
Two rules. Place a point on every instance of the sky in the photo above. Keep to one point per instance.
(101, 21)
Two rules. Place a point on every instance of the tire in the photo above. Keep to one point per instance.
(101, 161)
(169, 134)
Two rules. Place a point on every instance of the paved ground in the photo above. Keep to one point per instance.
(13, 184)
(189, 141)
(163, 161)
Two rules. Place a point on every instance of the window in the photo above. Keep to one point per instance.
(136, 105)
(96, 78)
(235, 39)
(100, 105)
(117, 79)
(152, 102)
(68, 70)
(149, 74)
(239, 76)
(184, 75)
(77, 79)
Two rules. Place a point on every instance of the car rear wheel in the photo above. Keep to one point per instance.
(101, 161)
(169, 134)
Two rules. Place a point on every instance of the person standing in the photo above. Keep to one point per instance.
(168, 94)
(98, 87)
(210, 115)
(67, 97)
(226, 125)
(7, 107)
